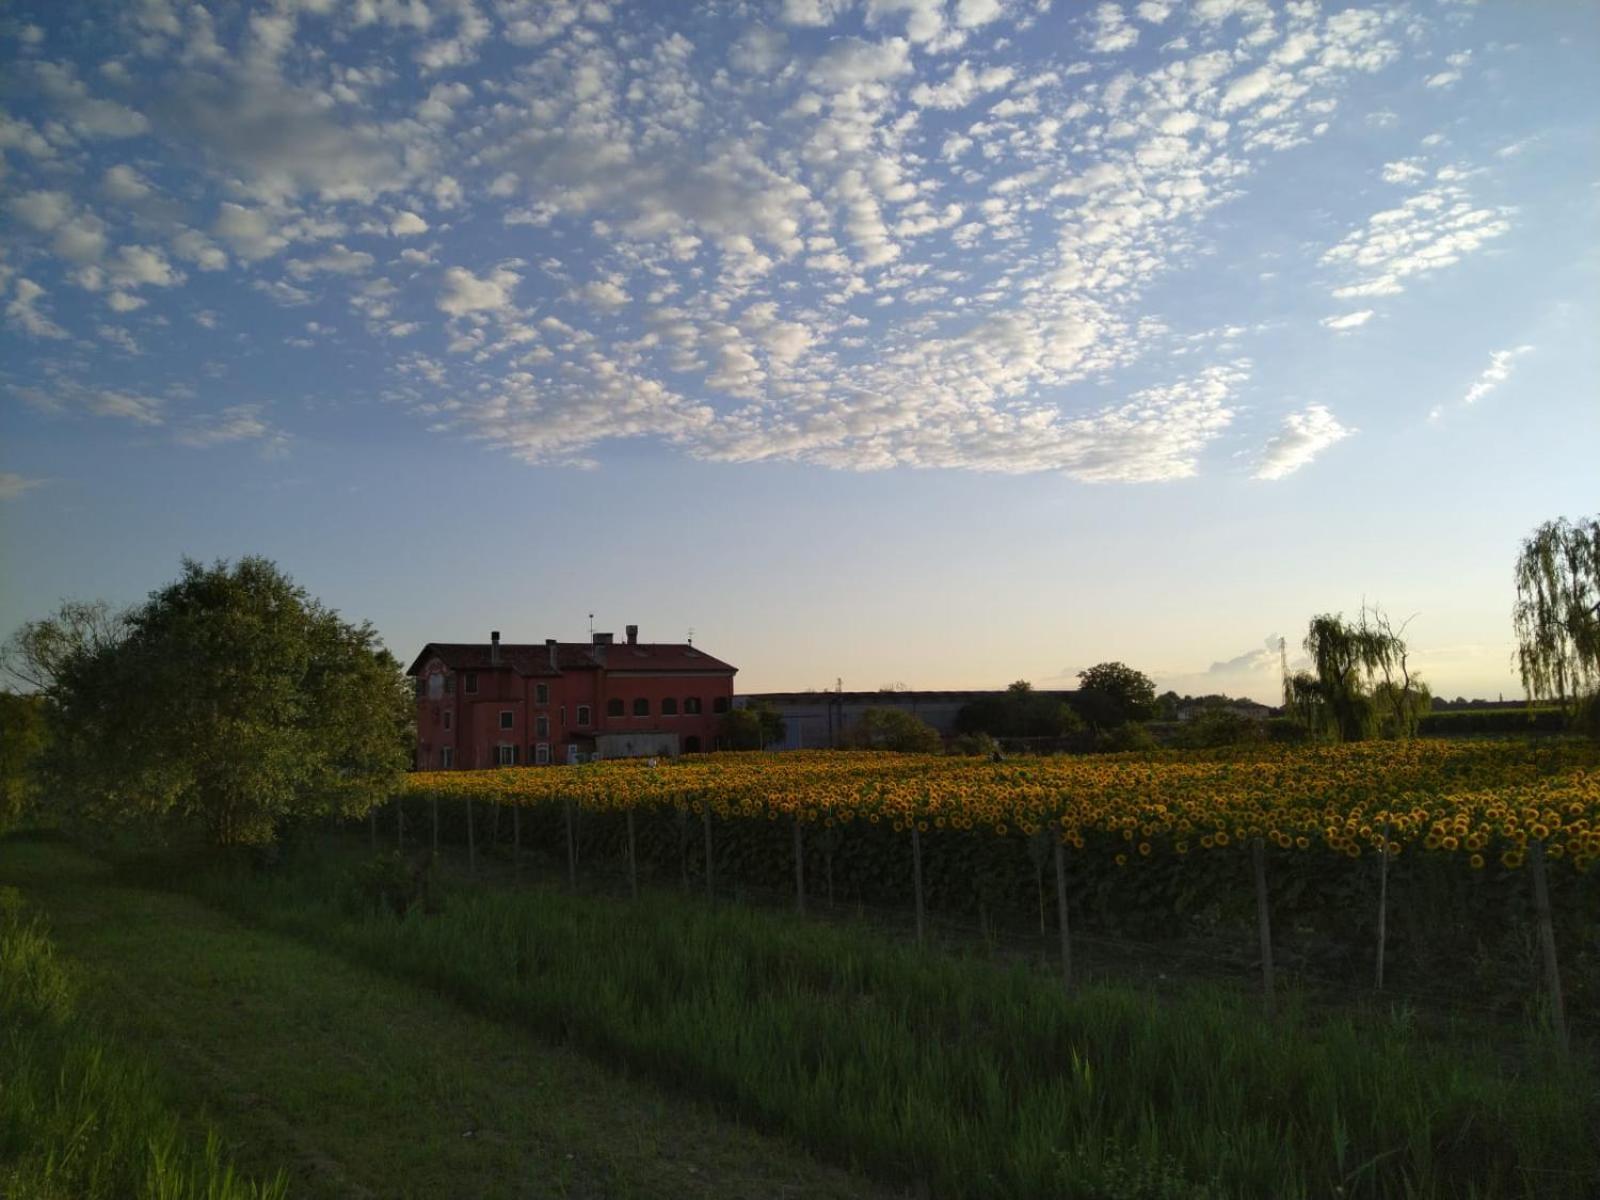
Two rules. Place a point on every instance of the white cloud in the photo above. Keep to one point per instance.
(1352, 320)
(1431, 230)
(237, 423)
(1497, 372)
(466, 293)
(605, 294)
(22, 311)
(336, 260)
(253, 233)
(407, 224)
(1112, 34)
(193, 246)
(121, 182)
(1303, 436)
(41, 211)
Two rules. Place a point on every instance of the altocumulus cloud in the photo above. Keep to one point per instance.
(1303, 436)
(909, 233)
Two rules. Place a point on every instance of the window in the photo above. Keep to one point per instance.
(505, 756)
(506, 717)
(449, 685)
(719, 704)
(563, 716)
(583, 714)
(669, 707)
(472, 683)
(541, 725)
(447, 718)
(641, 707)
(541, 754)
(447, 757)
(613, 707)
(691, 706)
(541, 693)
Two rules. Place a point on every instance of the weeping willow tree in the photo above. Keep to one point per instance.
(1361, 684)
(1557, 614)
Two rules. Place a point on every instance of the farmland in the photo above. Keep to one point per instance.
(623, 926)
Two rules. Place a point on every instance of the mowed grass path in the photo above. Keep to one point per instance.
(359, 1085)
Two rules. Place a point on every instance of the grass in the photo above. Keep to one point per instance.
(80, 1116)
(956, 1075)
(360, 1084)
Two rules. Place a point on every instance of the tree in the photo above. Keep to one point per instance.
(233, 703)
(754, 727)
(1361, 683)
(1018, 712)
(22, 738)
(897, 730)
(1112, 694)
(1557, 614)
(38, 651)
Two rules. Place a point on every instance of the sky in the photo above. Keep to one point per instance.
(935, 343)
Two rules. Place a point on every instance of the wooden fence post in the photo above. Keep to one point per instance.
(916, 876)
(434, 805)
(633, 859)
(1383, 903)
(683, 846)
(572, 846)
(1263, 920)
(799, 868)
(711, 891)
(1547, 944)
(1061, 911)
(472, 840)
(516, 838)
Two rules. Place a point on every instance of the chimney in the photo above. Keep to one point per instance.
(633, 635)
(550, 645)
(494, 648)
(602, 639)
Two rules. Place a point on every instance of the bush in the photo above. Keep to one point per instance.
(978, 745)
(1215, 727)
(1131, 736)
(1492, 720)
(396, 884)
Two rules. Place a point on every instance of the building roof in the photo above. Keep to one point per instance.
(533, 658)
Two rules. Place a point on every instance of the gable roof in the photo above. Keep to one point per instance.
(533, 658)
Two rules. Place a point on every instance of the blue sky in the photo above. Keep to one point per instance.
(937, 342)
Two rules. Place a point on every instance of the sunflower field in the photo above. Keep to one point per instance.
(1426, 845)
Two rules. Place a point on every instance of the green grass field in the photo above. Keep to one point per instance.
(525, 1041)
(352, 1082)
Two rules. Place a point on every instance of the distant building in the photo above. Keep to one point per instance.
(820, 720)
(492, 704)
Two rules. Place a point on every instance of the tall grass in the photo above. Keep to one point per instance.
(976, 1079)
(78, 1118)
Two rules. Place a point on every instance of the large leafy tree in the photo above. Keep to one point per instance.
(22, 739)
(1018, 712)
(897, 730)
(754, 727)
(1361, 683)
(1112, 694)
(1557, 614)
(233, 703)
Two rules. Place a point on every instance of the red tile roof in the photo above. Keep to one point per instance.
(533, 659)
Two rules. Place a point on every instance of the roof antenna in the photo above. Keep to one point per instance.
(691, 635)
(591, 627)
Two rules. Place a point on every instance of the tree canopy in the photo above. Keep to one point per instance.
(897, 730)
(1019, 712)
(230, 702)
(1112, 694)
(754, 727)
(1361, 683)
(1557, 614)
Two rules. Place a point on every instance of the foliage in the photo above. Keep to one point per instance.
(37, 654)
(1019, 712)
(1500, 721)
(1361, 684)
(1215, 727)
(1123, 738)
(78, 1116)
(232, 703)
(1557, 614)
(895, 730)
(964, 1077)
(1113, 694)
(22, 740)
(754, 727)
(396, 884)
(979, 745)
